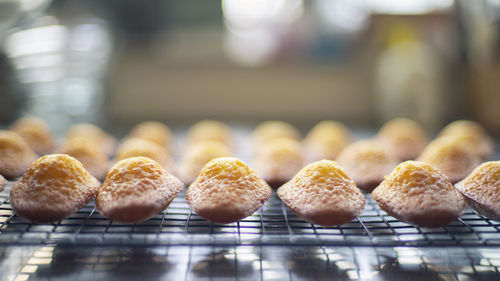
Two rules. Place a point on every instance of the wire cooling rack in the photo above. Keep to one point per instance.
(273, 224)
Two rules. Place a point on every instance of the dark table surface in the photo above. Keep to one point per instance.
(56, 262)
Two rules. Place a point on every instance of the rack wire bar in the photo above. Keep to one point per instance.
(273, 224)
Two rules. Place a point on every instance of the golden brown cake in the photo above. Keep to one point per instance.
(54, 187)
(198, 155)
(451, 156)
(328, 129)
(89, 154)
(3, 182)
(227, 190)
(136, 189)
(154, 131)
(417, 193)
(89, 131)
(326, 140)
(270, 130)
(482, 143)
(322, 193)
(209, 130)
(15, 155)
(327, 148)
(367, 162)
(140, 147)
(482, 189)
(279, 160)
(36, 133)
(404, 138)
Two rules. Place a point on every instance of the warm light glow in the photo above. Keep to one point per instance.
(408, 6)
(22, 277)
(343, 15)
(29, 269)
(38, 40)
(89, 37)
(43, 60)
(32, 5)
(352, 274)
(348, 16)
(250, 47)
(254, 28)
(253, 13)
(79, 97)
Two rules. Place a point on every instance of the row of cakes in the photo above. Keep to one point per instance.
(278, 148)
(135, 189)
(456, 151)
(278, 152)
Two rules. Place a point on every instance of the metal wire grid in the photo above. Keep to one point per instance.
(273, 224)
(252, 263)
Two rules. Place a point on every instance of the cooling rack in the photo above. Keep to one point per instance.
(273, 224)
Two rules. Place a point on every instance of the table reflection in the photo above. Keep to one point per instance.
(248, 263)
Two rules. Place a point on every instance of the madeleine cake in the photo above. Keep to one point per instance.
(482, 142)
(89, 154)
(209, 130)
(140, 147)
(15, 155)
(278, 160)
(136, 189)
(36, 133)
(417, 193)
(3, 182)
(482, 189)
(404, 138)
(227, 190)
(451, 156)
(198, 155)
(89, 131)
(154, 131)
(329, 129)
(326, 140)
(367, 162)
(270, 130)
(322, 193)
(54, 187)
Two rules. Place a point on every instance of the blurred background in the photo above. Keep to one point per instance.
(361, 62)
